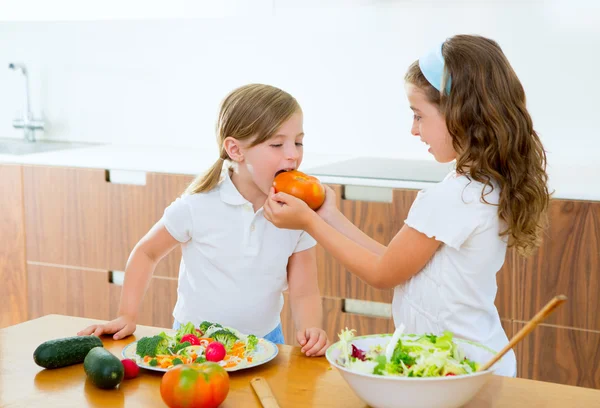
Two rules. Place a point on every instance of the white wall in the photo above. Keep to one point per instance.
(128, 78)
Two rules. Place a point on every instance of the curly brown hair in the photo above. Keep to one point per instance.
(492, 133)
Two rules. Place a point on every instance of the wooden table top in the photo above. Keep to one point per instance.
(296, 380)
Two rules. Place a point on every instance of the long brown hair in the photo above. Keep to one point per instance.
(252, 112)
(492, 133)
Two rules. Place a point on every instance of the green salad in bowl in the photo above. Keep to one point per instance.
(410, 370)
(426, 355)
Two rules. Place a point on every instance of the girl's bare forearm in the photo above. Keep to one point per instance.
(342, 224)
(307, 311)
(138, 272)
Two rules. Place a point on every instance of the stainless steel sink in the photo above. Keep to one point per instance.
(20, 147)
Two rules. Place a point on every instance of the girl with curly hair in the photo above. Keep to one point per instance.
(469, 107)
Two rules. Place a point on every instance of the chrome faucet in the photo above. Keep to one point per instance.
(28, 123)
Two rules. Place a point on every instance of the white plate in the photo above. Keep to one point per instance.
(265, 351)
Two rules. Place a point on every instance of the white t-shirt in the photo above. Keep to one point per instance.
(234, 263)
(456, 289)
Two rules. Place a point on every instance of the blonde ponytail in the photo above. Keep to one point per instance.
(207, 181)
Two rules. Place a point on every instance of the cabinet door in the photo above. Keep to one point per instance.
(134, 209)
(567, 262)
(559, 354)
(89, 293)
(71, 291)
(566, 348)
(13, 290)
(76, 217)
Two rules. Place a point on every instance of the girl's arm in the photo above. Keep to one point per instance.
(305, 302)
(155, 245)
(332, 215)
(407, 253)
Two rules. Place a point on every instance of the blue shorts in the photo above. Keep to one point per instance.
(276, 336)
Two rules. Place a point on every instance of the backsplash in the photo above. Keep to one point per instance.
(159, 82)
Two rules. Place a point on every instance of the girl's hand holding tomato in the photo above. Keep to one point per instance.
(293, 196)
(286, 211)
(329, 209)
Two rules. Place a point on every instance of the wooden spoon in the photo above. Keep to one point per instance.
(263, 391)
(541, 315)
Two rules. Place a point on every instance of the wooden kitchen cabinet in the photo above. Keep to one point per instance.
(133, 210)
(89, 293)
(71, 291)
(76, 217)
(559, 354)
(77, 227)
(568, 262)
(13, 287)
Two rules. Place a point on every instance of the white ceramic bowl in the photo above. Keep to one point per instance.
(409, 392)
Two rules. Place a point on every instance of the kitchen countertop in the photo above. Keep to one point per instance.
(578, 181)
(296, 380)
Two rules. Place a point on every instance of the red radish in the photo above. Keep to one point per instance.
(192, 338)
(131, 368)
(215, 352)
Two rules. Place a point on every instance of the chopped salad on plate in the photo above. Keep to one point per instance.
(406, 356)
(190, 344)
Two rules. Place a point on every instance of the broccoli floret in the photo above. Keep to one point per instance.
(151, 346)
(251, 342)
(226, 338)
(177, 361)
(200, 359)
(181, 346)
(204, 326)
(215, 327)
(153, 362)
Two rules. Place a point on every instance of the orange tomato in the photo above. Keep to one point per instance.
(307, 188)
(203, 385)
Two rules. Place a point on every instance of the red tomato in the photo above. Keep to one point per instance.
(193, 339)
(215, 351)
(203, 385)
(307, 188)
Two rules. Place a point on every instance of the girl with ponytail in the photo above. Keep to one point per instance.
(235, 264)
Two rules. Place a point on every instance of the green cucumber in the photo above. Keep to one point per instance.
(64, 352)
(103, 369)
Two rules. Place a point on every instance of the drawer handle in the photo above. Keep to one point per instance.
(137, 178)
(368, 193)
(116, 277)
(367, 308)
